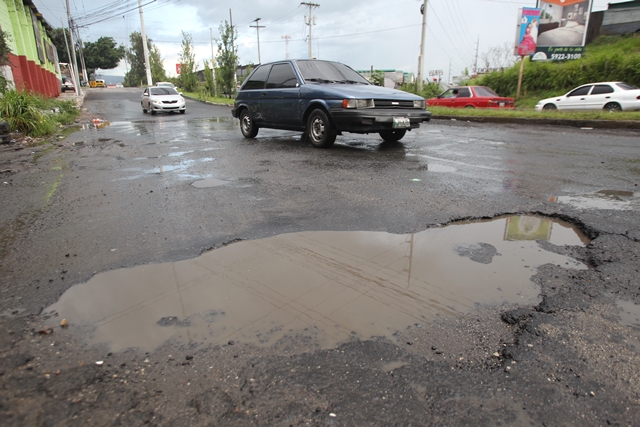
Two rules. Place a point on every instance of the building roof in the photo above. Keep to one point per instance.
(624, 5)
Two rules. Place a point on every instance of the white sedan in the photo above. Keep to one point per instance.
(608, 96)
(167, 99)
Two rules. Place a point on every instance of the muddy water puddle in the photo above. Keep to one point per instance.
(326, 287)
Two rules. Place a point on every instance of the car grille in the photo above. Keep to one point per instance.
(388, 103)
(169, 102)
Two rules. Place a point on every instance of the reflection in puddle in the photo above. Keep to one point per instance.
(325, 286)
(629, 314)
(209, 182)
(436, 167)
(603, 199)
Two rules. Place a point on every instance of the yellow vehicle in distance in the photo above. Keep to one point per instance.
(97, 83)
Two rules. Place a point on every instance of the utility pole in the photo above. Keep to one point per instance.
(74, 66)
(84, 68)
(449, 80)
(145, 48)
(286, 40)
(423, 10)
(233, 49)
(257, 27)
(213, 65)
(310, 21)
(475, 64)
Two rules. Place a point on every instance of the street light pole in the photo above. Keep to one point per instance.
(423, 9)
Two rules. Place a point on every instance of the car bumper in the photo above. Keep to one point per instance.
(168, 107)
(376, 120)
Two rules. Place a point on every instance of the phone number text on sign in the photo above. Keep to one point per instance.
(564, 56)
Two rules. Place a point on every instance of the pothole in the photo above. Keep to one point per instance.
(209, 182)
(603, 199)
(326, 287)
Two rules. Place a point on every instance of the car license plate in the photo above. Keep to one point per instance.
(401, 122)
(502, 104)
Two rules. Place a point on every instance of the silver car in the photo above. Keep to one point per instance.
(155, 99)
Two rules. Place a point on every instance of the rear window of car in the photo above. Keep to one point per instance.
(281, 75)
(464, 92)
(484, 91)
(257, 79)
(600, 89)
(626, 86)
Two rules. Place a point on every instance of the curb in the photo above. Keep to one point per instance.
(596, 124)
(207, 102)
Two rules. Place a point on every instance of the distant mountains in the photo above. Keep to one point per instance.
(111, 80)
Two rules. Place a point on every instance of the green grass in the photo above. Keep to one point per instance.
(530, 113)
(203, 97)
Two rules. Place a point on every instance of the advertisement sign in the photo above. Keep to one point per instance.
(562, 29)
(178, 68)
(527, 34)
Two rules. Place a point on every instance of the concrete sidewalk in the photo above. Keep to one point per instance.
(596, 124)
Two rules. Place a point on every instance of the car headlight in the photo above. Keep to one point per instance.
(420, 104)
(358, 103)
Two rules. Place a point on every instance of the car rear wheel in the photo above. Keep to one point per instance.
(320, 130)
(612, 107)
(394, 135)
(549, 107)
(469, 106)
(247, 126)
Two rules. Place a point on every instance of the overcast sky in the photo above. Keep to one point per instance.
(384, 34)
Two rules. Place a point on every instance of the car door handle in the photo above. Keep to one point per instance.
(581, 99)
(264, 93)
(607, 97)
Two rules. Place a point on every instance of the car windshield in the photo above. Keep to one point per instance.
(329, 72)
(625, 86)
(484, 91)
(163, 91)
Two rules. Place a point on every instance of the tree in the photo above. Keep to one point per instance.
(227, 60)
(187, 59)
(4, 57)
(498, 57)
(103, 53)
(135, 58)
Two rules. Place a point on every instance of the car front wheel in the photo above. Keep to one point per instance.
(549, 107)
(183, 111)
(247, 126)
(394, 135)
(612, 107)
(320, 130)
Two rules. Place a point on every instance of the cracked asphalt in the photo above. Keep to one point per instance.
(119, 193)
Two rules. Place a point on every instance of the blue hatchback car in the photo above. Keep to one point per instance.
(324, 99)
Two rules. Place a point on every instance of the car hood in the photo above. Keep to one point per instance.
(338, 90)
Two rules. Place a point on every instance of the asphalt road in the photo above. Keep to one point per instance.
(130, 201)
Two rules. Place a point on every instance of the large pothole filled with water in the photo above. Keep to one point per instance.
(327, 287)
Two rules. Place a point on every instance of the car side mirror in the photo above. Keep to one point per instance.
(180, 93)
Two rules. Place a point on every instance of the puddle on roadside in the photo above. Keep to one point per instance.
(440, 168)
(209, 182)
(603, 199)
(325, 286)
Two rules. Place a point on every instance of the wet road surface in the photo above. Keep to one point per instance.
(273, 283)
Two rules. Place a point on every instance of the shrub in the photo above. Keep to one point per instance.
(34, 115)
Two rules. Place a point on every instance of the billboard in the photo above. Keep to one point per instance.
(562, 29)
(527, 33)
